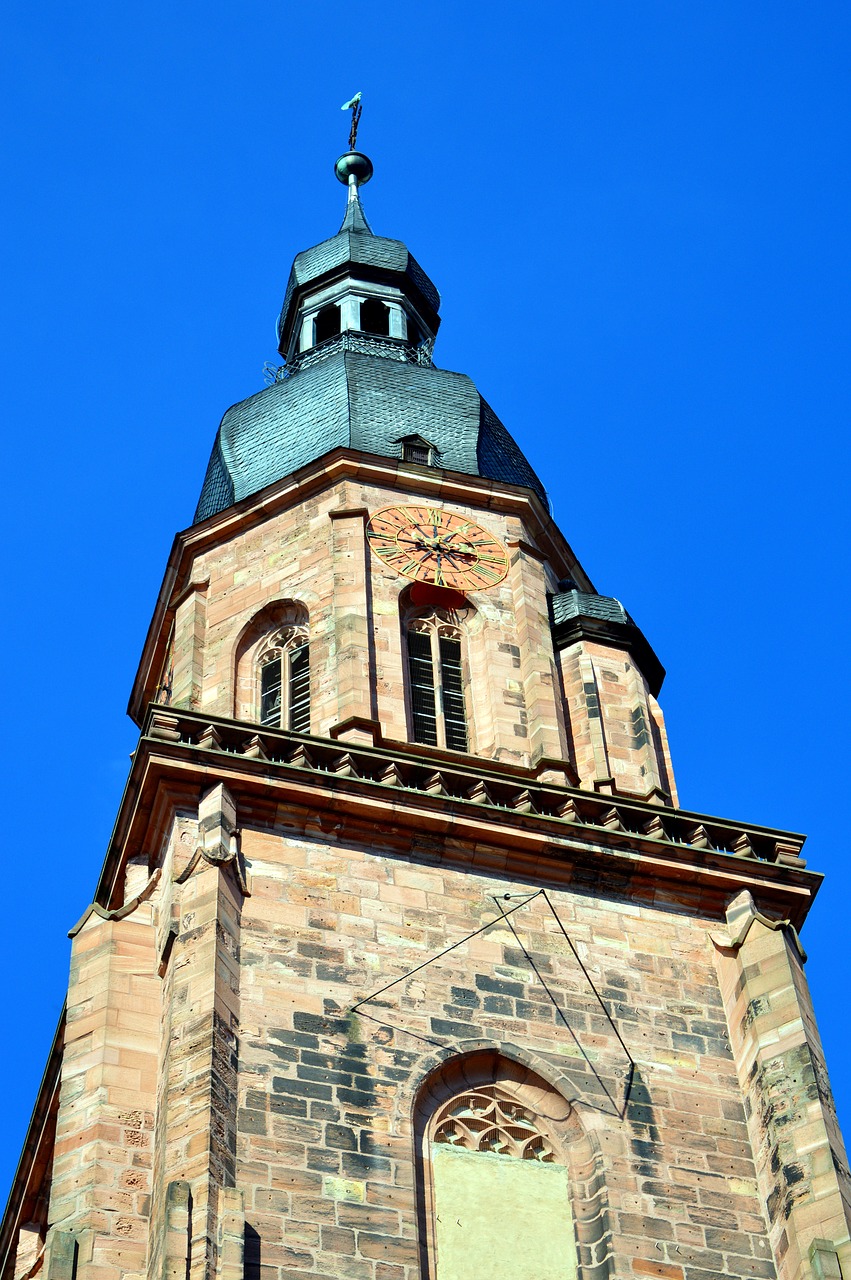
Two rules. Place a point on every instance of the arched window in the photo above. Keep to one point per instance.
(495, 1173)
(284, 668)
(436, 682)
(272, 668)
(327, 323)
(375, 317)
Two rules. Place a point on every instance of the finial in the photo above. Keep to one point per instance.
(356, 107)
(354, 168)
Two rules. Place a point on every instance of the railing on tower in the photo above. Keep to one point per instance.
(368, 344)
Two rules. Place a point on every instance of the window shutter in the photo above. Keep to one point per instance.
(270, 693)
(454, 717)
(300, 689)
(422, 688)
(416, 451)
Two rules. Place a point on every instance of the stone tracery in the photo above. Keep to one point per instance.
(486, 1120)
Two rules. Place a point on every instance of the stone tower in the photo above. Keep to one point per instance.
(405, 961)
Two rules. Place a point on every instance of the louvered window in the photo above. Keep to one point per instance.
(454, 719)
(438, 712)
(271, 684)
(423, 703)
(285, 687)
(300, 689)
(414, 451)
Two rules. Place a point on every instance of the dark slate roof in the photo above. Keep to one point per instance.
(356, 248)
(577, 615)
(575, 604)
(357, 401)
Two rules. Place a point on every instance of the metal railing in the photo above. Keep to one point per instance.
(369, 344)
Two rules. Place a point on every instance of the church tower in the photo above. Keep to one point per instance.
(405, 962)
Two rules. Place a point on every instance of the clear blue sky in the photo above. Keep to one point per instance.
(637, 214)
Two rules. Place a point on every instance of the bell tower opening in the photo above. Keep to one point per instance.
(375, 317)
(327, 323)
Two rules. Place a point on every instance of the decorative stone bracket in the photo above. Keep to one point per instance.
(218, 837)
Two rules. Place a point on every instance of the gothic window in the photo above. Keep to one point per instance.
(495, 1184)
(327, 323)
(375, 317)
(436, 675)
(284, 670)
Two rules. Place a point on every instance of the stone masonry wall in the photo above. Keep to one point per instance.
(326, 1156)
(288, 558)
(616, 728)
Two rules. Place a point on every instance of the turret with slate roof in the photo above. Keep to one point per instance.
(356, 331)
(404, 960)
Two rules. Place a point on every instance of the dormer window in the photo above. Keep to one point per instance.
(416, 449)
(375, 317)
(327, 323)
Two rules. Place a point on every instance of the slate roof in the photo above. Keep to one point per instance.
(580, 604)
(354, 248)
(580, 614)
(366, 402)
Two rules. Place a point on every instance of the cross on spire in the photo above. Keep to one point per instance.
(356, 107)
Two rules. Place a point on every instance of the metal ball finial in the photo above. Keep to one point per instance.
(353, 168)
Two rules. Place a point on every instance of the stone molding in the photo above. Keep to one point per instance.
(742, 913)
(118, 913)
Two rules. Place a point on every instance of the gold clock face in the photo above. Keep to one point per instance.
(427, 544)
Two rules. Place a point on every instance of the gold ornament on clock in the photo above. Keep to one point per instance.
(428, 544)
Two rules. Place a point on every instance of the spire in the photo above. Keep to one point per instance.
(355, 219)
(354, 169)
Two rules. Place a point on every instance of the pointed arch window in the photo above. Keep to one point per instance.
(494, 1176)
(436, 682)
(284, 683)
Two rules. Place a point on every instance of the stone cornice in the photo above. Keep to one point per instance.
(324, 473)
(466, 811)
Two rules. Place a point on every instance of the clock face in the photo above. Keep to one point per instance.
(428, 544)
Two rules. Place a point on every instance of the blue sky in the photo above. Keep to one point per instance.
(637, 215)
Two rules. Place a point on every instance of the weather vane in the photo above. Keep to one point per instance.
(356, 107)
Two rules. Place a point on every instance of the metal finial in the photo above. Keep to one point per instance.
(356, 107)
(354, 168)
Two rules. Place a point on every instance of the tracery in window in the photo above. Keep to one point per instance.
(497, 1178)
(284, 666)
(436, 682)
(485, 1120)
(272, 668)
